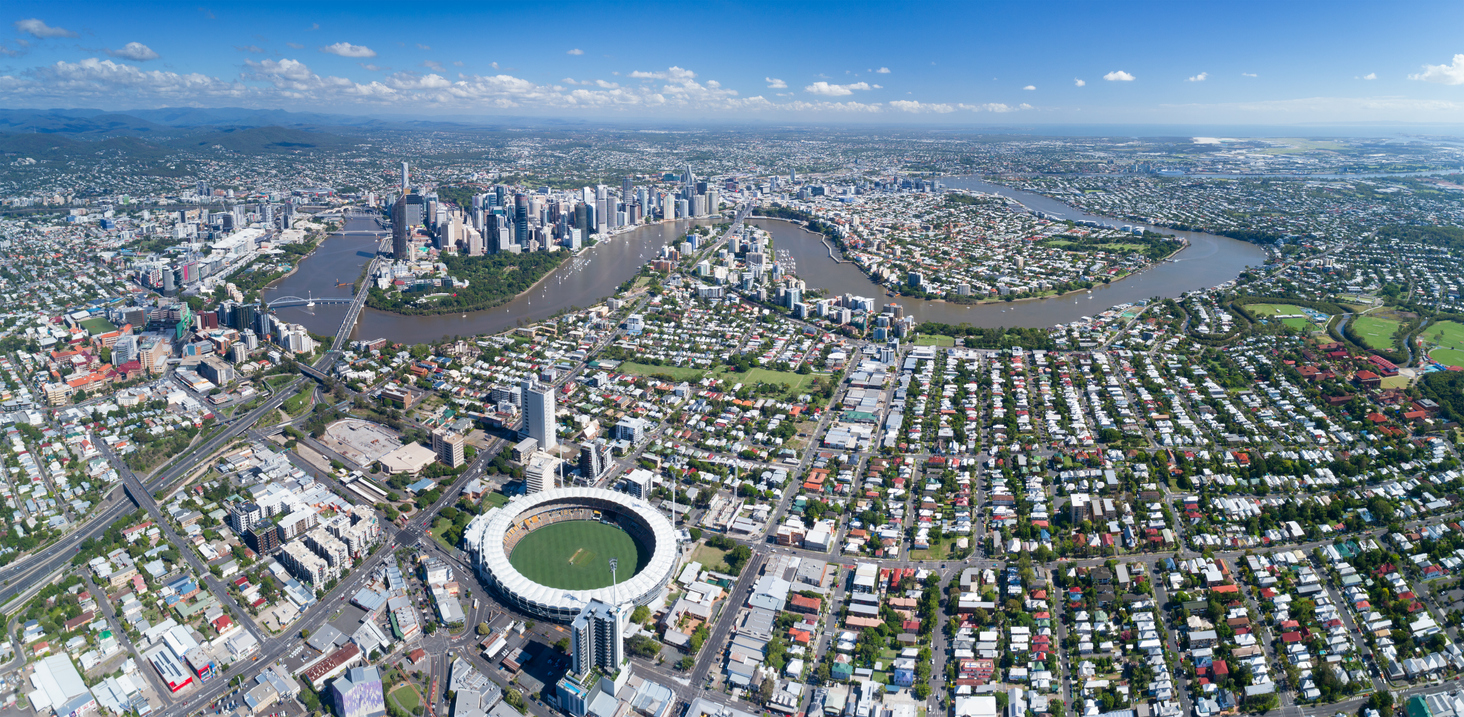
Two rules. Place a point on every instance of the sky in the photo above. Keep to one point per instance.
(1174, 63)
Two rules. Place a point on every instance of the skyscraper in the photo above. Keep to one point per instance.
(520, 219)
(405, 177)
(597, 638)
(539, 421)
(399, 231)
(625, 189)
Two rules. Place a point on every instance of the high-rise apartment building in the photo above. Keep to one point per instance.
(541, 473)
(539, 419)
(597, 638)
(448, 447)
(594, 460)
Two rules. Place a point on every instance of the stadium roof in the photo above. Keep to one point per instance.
(486, 541)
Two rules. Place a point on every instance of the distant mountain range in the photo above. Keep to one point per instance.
(103, 140)
(143, 122)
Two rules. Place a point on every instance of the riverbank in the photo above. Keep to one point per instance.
(489, 279)
(899, 290)
(1205, 261)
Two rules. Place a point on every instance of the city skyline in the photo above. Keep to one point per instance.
(951, 64)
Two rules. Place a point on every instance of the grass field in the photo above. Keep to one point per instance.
(1395, 382)
(1267, 310)
(406, 698)
(709, 557)
(298, 403)
(1376, 333)
(575, 555)
(795, 381)
(1447, 338)
(676, 372)
(935, 340)
(496, 499)
(1105, 246)
(98, 325)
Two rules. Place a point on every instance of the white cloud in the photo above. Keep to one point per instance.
(1119, 76)
(250, 48)
(135, 51)
(1369, 76)
(36, 28)
(775, 83)
(283, 73)
(997, 107)
(1030, 87)
(801, 106)
(877, 87)
(883, 70)
(93, 77)
(420, 46)
(346, 49)
(433, 65)
(830, 90)
(1452, 74)
(575, 51)
(1079, 82)
(1247, 74)
(314, 26)
(294, 46)
(1198, 78)
(411, 81)
(921, 107)
(274, 82)
(675, 74)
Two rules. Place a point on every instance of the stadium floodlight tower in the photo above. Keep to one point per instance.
(614, 581)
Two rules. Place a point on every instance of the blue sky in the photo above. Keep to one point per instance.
(949, 63)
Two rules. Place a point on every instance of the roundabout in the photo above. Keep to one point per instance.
(549, 553)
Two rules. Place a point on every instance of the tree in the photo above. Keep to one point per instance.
(483, 628)
(737, 557)
(765, 691)
(515, 700)
(640, 614)
(643, 646)
(562, 645)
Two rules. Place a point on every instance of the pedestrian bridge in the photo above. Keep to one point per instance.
(288, 301)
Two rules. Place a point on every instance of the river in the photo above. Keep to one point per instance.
(584, 280)
(593, 275)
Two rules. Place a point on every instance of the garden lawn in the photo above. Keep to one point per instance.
(406, 698)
